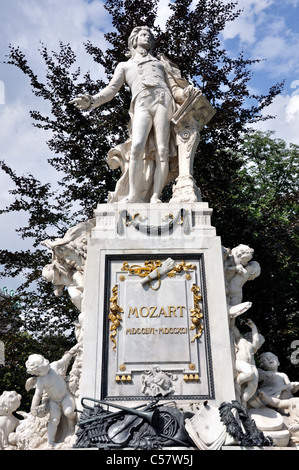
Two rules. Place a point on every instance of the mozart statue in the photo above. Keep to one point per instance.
(149, 158)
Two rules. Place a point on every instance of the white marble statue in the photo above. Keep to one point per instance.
(67, 270)
(246, 380)
(148, 159)
(68, 261)
(238, 269)
(235, 285)
(9, 403)
(49, 378)
(271, 381)
(21, 434)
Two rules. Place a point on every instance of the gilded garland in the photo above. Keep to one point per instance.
(114, 315)
(196, 315)
(150, 266)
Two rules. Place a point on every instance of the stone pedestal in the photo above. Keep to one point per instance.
(166, 336)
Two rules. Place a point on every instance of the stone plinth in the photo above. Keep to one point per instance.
(166, 336)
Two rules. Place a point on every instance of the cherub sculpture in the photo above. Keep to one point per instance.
(273, 383)
(236, 259)
(49, 378)
(236, 283)
(9, 402)
(246, 346)
(68, 261)
(238, 269)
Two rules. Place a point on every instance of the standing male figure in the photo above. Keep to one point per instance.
(156, 87)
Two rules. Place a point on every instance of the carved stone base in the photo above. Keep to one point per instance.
(185, 190)
(176, 320)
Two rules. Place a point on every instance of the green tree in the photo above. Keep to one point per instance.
(13, 344)
(80, 141)
(17, 344)
(267, 212)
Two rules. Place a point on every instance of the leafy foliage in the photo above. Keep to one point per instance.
(267, 214)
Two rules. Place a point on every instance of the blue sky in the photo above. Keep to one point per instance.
(267, 29)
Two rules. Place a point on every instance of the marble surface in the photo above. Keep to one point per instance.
(186, 235)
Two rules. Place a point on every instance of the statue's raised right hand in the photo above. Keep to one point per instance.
(81, 102)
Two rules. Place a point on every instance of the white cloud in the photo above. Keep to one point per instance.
(271, 47)
(294, 3)
(26, 24)
(265, 30)
(292, 111)
(2, 92)
(31, 22)
(245, 26)
(163, 13)
(281, 52)
(285, 124)
(23, 146)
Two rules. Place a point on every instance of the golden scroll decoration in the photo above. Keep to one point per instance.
(150, 266)
(142, 271)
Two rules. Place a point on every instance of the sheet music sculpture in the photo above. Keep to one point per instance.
(166, 117)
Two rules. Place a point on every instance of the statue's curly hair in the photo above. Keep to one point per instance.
(36, 363)
(132, 41)
(9, 402)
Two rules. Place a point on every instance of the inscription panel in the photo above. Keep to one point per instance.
(157, 329)
(150, 331)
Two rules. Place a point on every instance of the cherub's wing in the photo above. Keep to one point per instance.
(30, 383)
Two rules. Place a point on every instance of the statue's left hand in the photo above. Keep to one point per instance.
(188, 90)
